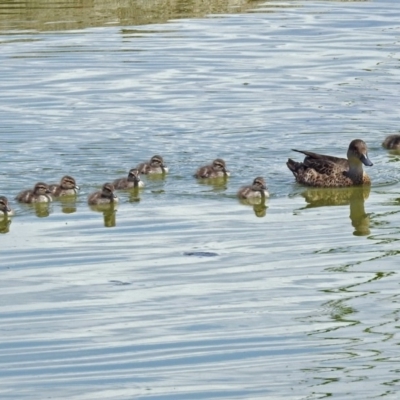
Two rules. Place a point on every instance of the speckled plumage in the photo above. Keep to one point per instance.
(215, 170)
(257, 189)
(5, 209)
(66, 187)
(154, 166)
(132, 181)
(104, 196)
(39, 194)
(326, 171)
(392, 142)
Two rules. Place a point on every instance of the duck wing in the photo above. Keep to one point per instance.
(324, 166)
(322, 157)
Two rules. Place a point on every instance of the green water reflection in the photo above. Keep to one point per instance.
(109, 214)
(49, 15)
(5, 225)
(355, 197)
(259, 206)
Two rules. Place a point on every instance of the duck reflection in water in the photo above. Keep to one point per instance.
(42, 210)
(134, 195)
(354, 196)
(109, 213)
(68, 204)
(5, 225)
(216, 184)
(259, 206)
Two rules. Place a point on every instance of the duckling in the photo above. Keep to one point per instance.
(392, 142)
(327, 171)
(132, 181)
(215, 170)
(39, 194)
(154, 166)
(67, 187)
(104, 196)
(257, 189)
(5, 209)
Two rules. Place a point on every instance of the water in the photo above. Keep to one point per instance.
(183, 292)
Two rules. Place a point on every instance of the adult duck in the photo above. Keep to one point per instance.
(327, 171)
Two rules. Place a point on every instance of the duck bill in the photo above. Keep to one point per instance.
(76, 187)
(366, 161)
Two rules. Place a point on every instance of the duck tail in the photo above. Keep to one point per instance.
(293, 166)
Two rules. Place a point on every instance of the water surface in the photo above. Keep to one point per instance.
(184, 292)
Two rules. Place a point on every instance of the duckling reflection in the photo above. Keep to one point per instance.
(259, 206)
(68, 204)
(42, 210)
(134, 195)
(217, 184)
(109, 213)
(354, 196)
(5, 225)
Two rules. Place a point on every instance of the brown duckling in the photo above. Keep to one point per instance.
(154, 166)
(132, 181)
(67, 187)
(327, 171)
(215, 170)
(257, 189)
(392, 142)
(39, 194)
(104, 196)
(5, 209)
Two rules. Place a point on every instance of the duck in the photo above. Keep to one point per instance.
(5, 209)
(132, 181)
(215, 170)
(104, 196)
(66, 187)
(39, 194)
(392, 142)
(327, 171)
(154, 166)
(258, 189)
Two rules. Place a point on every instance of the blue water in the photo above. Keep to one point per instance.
(183, 292)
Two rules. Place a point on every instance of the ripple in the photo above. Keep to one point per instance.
(184, 292)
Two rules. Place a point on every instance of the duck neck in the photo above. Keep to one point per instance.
(356, 171)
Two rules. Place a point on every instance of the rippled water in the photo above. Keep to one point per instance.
(183, 292)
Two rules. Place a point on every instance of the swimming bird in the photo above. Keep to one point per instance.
(66, 187)
(328, 171)
(257, 189)
(132, 181)
(215, 170)
(154, 166)
(104, 196)
(392, 142)
(39, 194)
(5, 209)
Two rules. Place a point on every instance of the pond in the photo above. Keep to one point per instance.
(182, 291)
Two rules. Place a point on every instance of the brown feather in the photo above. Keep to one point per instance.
(321, 170)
